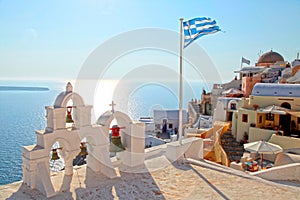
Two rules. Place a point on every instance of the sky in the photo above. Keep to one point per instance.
(52, 39)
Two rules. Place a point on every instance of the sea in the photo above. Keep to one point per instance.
(23, 112)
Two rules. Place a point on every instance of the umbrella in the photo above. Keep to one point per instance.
(263, 147)
(273, 109)
(232, 92)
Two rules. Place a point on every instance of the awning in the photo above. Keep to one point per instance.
(246, 70)
(294, 113)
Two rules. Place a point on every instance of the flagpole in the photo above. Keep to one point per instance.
(241, 62)
(180, 86)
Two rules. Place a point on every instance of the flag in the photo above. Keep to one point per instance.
(198, 27)
(244, 60)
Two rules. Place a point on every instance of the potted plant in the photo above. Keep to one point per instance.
(252, 125)
(255, 106)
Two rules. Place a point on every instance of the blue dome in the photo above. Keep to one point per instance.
(279, 90)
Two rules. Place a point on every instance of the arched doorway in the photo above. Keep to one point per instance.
(207, 108)
(286, 105)
(285, 120)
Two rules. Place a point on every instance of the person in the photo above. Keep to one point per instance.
(245, 137)
(175, 131)
(164, 129)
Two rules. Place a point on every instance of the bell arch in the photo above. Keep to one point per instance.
(132, 136)
(123, 121)
(63, 98)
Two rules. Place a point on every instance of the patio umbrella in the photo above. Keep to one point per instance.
(273, 109)
(232, 92)
(262, 147)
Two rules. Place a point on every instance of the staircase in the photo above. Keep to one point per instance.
(196, 107)
(232, 148)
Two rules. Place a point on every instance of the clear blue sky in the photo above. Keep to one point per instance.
(51, 39)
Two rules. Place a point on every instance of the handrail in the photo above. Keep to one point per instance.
(193, 112)
(221, 155)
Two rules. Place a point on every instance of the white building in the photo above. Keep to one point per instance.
(170, 118)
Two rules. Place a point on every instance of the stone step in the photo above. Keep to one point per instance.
(235, 154)
(226, 136)
(228, 140)
(231, 144)
(234, 158)
(233, 148)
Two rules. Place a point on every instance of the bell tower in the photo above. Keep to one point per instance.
(68, 125)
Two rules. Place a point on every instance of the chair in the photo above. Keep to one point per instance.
(253, 167)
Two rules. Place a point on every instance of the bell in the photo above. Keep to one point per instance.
(83, 151)
(69, 119)
(55, 155)
(69, 115)
(116, 144)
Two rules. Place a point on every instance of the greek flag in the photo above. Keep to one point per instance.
(198, 27)
(244, 60)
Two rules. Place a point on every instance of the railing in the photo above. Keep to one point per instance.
(220, 154)
(192, 112)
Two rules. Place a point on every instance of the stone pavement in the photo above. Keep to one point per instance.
(160, 179)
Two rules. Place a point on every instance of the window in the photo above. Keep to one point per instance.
(270, 117)
(170, 125)
(233, 106)
(245, 118)
(260, 119)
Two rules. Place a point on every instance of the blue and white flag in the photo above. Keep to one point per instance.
(198, 27)
(244, 60)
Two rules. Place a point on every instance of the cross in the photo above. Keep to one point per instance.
(112, 106)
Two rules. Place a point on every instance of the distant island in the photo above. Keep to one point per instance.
(22, 88)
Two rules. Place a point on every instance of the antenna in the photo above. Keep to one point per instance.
(259, 53)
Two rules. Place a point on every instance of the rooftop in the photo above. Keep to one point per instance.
(280, 90)
(270, 57)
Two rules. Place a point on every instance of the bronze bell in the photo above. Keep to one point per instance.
(55, 155)
(116, 144)
(83, 151)
(69, 115)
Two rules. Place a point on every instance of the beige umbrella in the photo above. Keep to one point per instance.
(273, 109)
(232, 92)
(262, 147)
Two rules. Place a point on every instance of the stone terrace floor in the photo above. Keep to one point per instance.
(160, 179)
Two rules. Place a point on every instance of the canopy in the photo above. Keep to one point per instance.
(273, 109)
(294, 113)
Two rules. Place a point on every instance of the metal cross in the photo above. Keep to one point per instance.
(112, 106)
